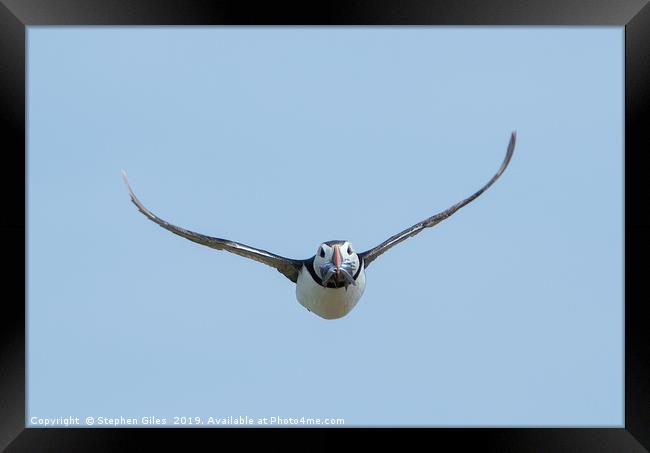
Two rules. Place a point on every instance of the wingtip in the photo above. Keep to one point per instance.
(126, 181)
(509, 152)
(513, 141)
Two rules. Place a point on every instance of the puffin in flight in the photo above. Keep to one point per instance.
(331, 282)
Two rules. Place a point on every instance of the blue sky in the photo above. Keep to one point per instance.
(510, 313)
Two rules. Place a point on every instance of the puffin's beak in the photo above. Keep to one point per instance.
(336, 259)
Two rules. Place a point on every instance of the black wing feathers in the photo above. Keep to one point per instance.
(288, 267)
(370, 255)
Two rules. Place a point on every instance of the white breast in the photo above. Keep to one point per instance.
(328, 303)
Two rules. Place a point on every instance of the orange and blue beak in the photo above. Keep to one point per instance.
(336, 259)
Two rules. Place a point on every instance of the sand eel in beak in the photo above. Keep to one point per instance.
(331, 282)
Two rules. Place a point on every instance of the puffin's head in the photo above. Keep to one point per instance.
(336, 263)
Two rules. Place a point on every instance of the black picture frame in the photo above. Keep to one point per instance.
(634, 15)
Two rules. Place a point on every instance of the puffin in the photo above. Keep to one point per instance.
(331, 282)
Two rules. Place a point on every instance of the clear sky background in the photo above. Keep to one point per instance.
(509, 313)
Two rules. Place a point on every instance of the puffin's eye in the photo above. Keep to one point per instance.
(322, 252)
(349, 250)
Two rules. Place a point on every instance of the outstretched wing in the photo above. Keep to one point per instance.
(288, 267)
(370, 255)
